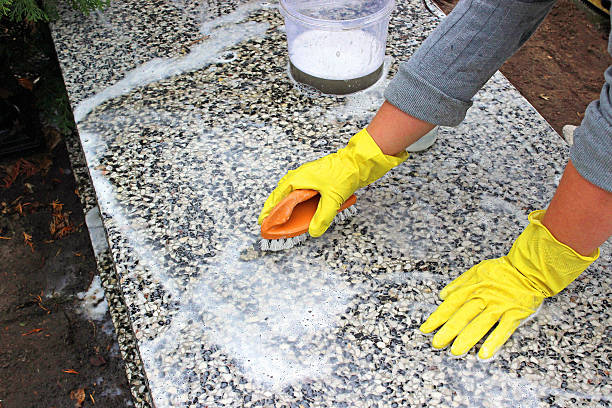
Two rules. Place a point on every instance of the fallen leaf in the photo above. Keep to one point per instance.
(39, 302)
(45, 164)
(70, 371)
(27, 238)
(29, 187)
(26, 83)
(53, 136)
(545, 97)
(79, 396)
(60, 225)
(32, 332)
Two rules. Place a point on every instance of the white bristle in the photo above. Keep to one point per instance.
(264, 244)
(287, 243)
(276, 244)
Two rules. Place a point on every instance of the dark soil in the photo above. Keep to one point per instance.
(51, 355)
(560, 69)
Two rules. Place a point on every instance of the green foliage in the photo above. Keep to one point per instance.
(44, 10)
(19, 10)
(53, 104)
(88, 5)
(4, 7)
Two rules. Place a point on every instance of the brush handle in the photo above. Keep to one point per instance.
(292, 215)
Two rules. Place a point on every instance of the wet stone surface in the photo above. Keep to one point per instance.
(183, 148)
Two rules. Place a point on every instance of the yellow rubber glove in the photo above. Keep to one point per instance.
(505, 290)
(336, 177)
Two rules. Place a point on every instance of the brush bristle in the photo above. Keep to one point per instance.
(287, 243)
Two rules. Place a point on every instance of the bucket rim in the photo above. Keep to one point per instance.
(348, 24)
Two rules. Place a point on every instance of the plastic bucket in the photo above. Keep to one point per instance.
(336, 46)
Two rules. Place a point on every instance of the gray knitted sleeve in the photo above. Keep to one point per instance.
(438, 82)
(591, 152)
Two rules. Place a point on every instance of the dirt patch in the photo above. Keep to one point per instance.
(52, 354)
(49, 349)
(560, 69)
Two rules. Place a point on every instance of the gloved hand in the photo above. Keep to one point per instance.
(507, 289)
(336, 177)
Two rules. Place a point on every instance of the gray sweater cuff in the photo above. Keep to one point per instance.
(424, 101)
(438, 82)
(591, 152)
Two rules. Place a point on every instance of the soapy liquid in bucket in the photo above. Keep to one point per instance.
(336, 55)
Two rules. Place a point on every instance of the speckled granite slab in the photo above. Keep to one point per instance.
(187, 119)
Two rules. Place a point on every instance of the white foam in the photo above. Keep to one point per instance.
(336, 54)
(250, 310)
(93, 303)
(223, 33)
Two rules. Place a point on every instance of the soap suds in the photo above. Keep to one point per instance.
(336, 54)
(93, 303)
(224, 32)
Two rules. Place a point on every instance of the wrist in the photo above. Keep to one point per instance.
(580, 213)
(548, 264)
(366, 158)
(393, 130)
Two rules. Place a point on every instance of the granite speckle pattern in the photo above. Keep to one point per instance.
(137, 380)
(181, 165)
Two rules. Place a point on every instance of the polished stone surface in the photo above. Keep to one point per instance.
(187, 118)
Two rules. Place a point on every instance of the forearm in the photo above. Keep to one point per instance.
(435, 86)
(580, 213)
(393, 130)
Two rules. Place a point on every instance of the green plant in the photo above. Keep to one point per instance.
(53, 104)
(43, 10)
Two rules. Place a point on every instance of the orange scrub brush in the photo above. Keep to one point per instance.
(287, 224)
